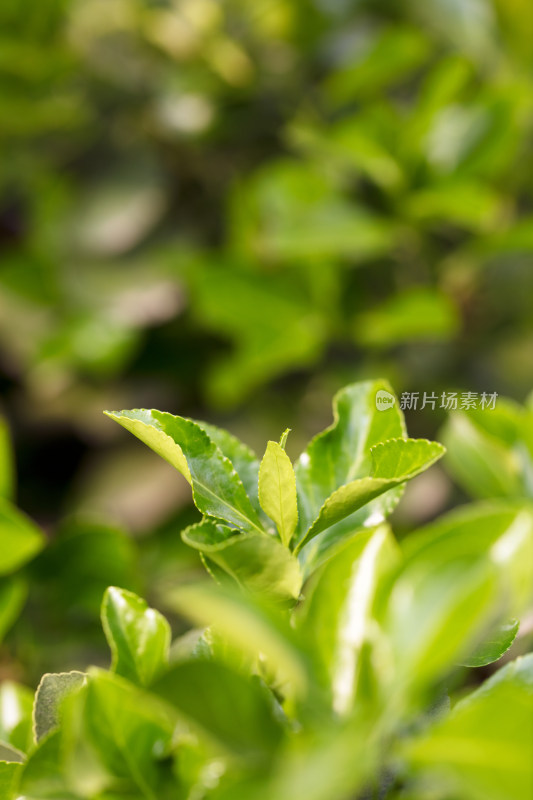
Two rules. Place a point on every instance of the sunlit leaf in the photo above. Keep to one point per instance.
(277, 490)
(217, 489)
(139, 636)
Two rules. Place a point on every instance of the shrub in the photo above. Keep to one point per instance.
(326, 654)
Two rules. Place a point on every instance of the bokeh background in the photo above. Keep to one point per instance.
(229, 209)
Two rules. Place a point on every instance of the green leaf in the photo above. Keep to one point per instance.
(460, 574)
(467, 204)
(517, 673)
(7, 479)
(241, 456)
(393, 54)
(499, 532)
(482, 750)
(217, 489)
(16, 709)
(417, 314)
(341, 454)
(485, 465)
(492, 649)
(42, 775)
(233, 710)
(337, 617)
(129, 729)
(393, 462)
(51, 692)
(82, 560)
(20, 538)
(293, 211)
(267, 316)
(10, 773)
(139, 636)
(435, 616)
(13, 592)
(257, 561)
(277, 490)
(248, 626)
(16, 715)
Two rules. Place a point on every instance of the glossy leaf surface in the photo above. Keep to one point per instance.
(139, 636)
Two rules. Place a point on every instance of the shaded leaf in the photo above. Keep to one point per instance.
(51, 692)
(128, 728)
(11, 754)
(257, 561)
(230, 708)
(42, 776)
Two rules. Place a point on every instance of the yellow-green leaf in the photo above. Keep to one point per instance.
(277, 490)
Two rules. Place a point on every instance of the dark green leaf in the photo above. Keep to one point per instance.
(493, 648)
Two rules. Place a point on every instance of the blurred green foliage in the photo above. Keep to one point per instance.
(230, 209)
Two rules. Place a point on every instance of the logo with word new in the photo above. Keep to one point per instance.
(384, 400)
